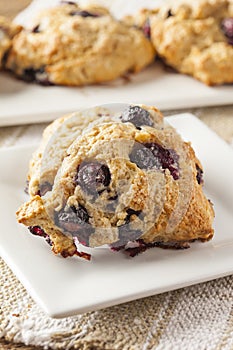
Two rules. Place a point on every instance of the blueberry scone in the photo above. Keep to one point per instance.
(7, 31)
(194, 37)
(128, 181)
(70, 45)
(57, 137)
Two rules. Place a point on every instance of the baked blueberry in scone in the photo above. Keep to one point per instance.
(73, 45)
(194, 37)
(127, 180)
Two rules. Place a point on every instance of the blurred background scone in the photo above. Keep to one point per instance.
(194, 37)
(69, 45)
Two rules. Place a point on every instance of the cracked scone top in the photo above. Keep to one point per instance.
(194, 37)
(70, 45)
(127, 177)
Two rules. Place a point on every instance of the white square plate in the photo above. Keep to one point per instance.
(69, 286)
(22, 103)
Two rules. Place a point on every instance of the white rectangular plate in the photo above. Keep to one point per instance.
(22, 102)
(69, 286)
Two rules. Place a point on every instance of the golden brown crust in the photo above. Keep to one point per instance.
(197, 220)
(26, 215)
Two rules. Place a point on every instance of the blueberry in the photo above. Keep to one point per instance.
(146, 29)
(84, 14)
(93, 177)
(137, 116)
(227, 28)
(36, 75)
(150, 155)
(29, 74)
(72, 219)
(75, 221)
(38, 231)
(143, 157)
(199, 175)
(168, 158)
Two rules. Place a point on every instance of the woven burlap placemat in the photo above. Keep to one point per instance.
(198, 317)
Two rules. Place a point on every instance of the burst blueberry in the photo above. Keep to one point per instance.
(143, 157)
(75, 221)
(167, 158)
(38, 231)
(150, 155)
